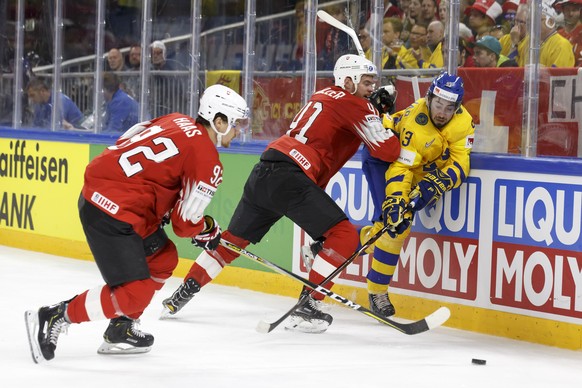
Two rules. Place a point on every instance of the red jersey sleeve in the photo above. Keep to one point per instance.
(328, 131)
(168, 167)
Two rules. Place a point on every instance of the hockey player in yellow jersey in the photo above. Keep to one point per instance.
(436, 136)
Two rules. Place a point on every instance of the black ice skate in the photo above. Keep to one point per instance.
(380, 304)
(309, 318)
(180, 297)
(123, 337)
(44, 327)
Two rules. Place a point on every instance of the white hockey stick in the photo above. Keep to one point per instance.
(340, 26)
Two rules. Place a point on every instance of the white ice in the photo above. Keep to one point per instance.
(213, 343)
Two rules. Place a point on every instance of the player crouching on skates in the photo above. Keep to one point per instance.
(290, 179)
(161, 170)
(436, 137)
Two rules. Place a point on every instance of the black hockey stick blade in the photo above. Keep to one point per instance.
(435, 319)
(266, 327)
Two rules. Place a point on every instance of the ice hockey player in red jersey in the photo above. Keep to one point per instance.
(290, 179)
(166, 169)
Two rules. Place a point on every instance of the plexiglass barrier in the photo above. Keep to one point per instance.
(162, 55)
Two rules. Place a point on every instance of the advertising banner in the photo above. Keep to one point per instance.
(40, 183)
(496, 103)
(522, 255)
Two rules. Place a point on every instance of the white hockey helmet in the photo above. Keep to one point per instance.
(221, 99)
(354, 67)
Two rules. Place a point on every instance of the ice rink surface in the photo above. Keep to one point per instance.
(212, 343)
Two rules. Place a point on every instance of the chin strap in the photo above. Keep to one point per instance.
(219, 135)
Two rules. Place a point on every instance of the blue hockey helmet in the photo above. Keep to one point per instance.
(448, 87)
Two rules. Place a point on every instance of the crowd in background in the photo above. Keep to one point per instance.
(493, 33)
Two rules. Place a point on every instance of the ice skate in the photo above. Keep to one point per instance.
(309, 318)
(124, 337)
(44, 327)
(179, 298)
(380, 304)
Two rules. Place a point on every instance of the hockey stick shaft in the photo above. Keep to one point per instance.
(435, 319)
(340, 26)
(268, 327)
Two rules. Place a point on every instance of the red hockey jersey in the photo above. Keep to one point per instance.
(328, 131)
(166, 165)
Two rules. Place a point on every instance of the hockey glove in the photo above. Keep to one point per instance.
(209, 238)
(430, 189)
(383, 99)
(396, 215)
(166, 219)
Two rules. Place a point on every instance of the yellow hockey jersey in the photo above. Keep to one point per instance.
(425, 148)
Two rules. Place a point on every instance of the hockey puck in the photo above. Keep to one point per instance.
(477, 361)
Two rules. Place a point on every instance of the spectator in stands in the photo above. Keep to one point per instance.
(435, 36)
(435, 33)
(134, 57)
(121, 110)
(115, 60)
(488, 54)
(482, 16)
(572, 29)
(116, 63)
(429, 12)
(407, 20)
(464, 54)
(414, 12)
(131, 83)
(41, 98)
(555, 50)
(391, 10)
(160, 60)
(407, 57)
(366, 42)
(403, 5)
(443, 10)
(391, 30)
(514, 42)
(168, 91)
(509, 9)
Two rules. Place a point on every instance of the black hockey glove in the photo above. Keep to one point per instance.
(209, 238)
(384, 98)
(396, 215)
(430, 189)
(166, 219)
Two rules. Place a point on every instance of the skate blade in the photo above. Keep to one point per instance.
(167, 313)
(31, 320)
(121, 349)
(315, 326)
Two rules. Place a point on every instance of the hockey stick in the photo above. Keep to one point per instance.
(266, 327)
(340, 26)
(433, 320)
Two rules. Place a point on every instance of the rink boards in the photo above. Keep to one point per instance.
(502, 251)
